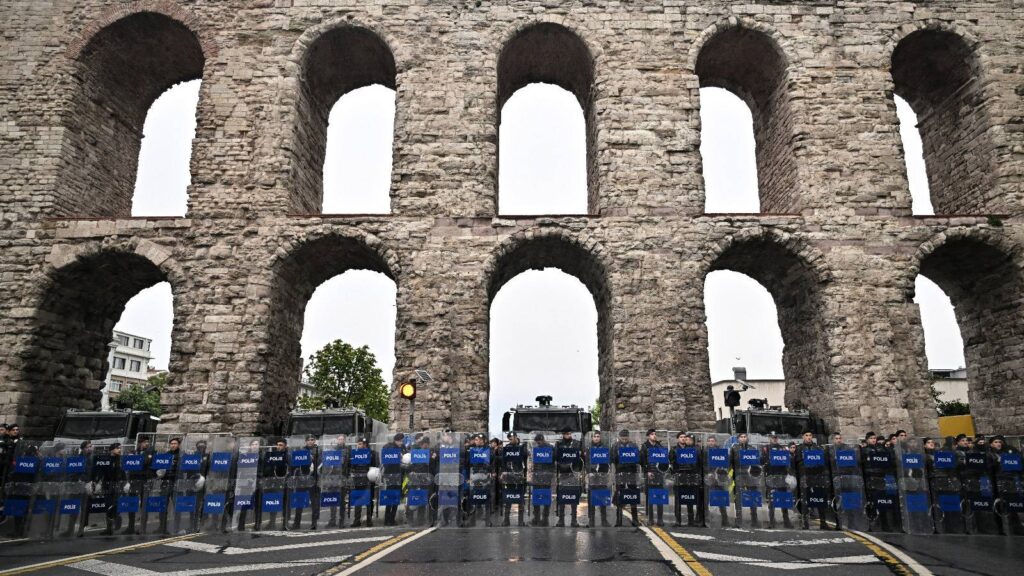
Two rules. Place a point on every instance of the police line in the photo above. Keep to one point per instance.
(170, 484)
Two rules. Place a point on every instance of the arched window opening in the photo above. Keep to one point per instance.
(913, 155)
(143, 337)
(727, 152)
(161, 185)
(545, 54)
(338, 62)
(983, 284)
(329, 288)
(943, 344)
(543, 153)
(938, 75)
(357, 164)
(744, 340)
(122, 70)
(70, 362)
(358, 308)
(750, 65)
(543, 341)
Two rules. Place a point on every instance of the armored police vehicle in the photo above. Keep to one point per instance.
(334, 421)
(761, 421)
(104, 428)
(545, 417)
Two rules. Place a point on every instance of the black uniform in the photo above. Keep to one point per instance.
(392, 478)
(687, 472)
(627, 480)
(512, 463)
(421, 475)
(1008, 488)
(106, 475)
(814, 485)
(304, 478)
(360, 481)
(273, 479)
(597, 479)
(543, 473)
(481, 474)
(879, 473)
(734, 460)
(569, 464)
(775, 476)
(343, 471)
(655, 475)
(135, 481)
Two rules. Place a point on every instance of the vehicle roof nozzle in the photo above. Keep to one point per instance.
(543, 400)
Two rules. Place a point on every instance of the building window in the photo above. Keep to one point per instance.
(122, 340)
(115, 386)
(136, 366)
(139, 344)
(118, 363)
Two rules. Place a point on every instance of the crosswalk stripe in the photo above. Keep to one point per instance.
(768, 543)
(113, 569)
(234, 550)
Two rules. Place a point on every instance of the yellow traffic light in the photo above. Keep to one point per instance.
(407, 390)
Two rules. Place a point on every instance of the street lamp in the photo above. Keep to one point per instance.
(407, 390)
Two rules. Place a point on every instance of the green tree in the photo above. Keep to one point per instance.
(595, 413)
(346, 377)
(951, 408)
(138, 397)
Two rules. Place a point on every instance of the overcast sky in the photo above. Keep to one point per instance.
(543, 323)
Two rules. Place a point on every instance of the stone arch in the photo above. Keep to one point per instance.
(552, 53)
(122, 63)
(748, 59)
(80, 299)
(579, 257)
(795, 274)
(983, 275)
(938, 69)
(329, 61)
(297, 270)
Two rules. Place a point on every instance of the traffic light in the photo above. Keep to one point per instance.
(407, 390)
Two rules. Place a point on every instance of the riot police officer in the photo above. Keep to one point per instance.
(813, 482)
(655, 475)
(340, 446)
(512, 462)
(361, 481)
(106, 474)
(627, 482)
(273, 477)
(1007, 475)
(569, 463)
(597, 478)
(135, 480)
(777, 474)
(742, 444)
(481, 474)
(305, 476)
(879, 472)
(421, 476)
(684, 460)
(542, 473)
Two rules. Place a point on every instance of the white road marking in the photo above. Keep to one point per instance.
(113, 569)
(309, 533)
(370, 560)
(233, 550)
(906, 559)
(769, 543)
(668, 553)
(788, 565)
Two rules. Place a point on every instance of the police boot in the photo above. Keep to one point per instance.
(739, 518)
(604, 517)
(618, 517)
(561, 517)
(535, 517)
(661, 515)
(785, 519)
(725, 517)
(547, 515)
(771, 518)
(359, 518)
(590, 516)
(522, 510)
(636, 517)
(131, 524)
(575, 523)
(507, 521)
(369, 518)
(753, 517)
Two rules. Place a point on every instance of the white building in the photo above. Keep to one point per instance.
(129, 362)
(950, 384)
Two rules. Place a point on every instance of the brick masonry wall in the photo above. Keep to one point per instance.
(840, 262)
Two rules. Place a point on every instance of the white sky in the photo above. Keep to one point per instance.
(543, 335)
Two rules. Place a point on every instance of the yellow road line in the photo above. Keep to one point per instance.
(894, 563)
(92, 556)
(366, 554)
(683, 553)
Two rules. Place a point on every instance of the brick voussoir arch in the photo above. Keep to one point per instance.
(811, 259)
(165, 7)
(782, 43)
(953, 27)
(512, 31)
(387, 259)
(988, 237)
(495, 273)
(300, 48)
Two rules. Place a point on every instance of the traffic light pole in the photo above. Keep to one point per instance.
(412, 412)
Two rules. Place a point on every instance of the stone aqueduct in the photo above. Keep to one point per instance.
(835, 242)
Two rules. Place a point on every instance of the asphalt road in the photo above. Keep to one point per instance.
(646, 551)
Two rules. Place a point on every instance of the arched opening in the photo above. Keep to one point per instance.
(913, 156)
(547, 54)
(554, 284)
(161, 185)
(543, 341)
(320, 266)
(543, 153)
(68, 363)
(750, 65)
(122, 70)
(937, 73)
(943, 344)
(727, 152)
(357, 164)
(744, 341)
(984, 285)
(795, 289)
(338, 62)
